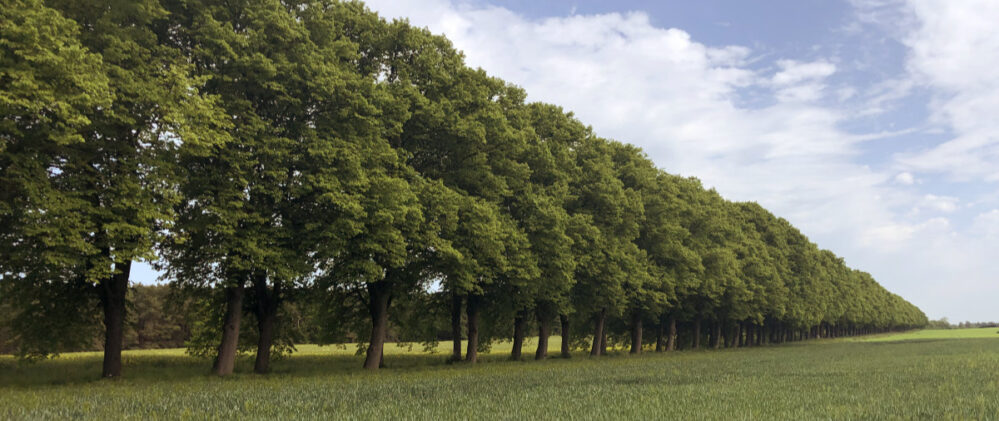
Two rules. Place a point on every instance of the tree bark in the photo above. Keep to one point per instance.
(518, 336)
(697, 332)
(566, 352)
(598, 333)
(472, 313)
(671, 341)
(455, 327)
(379, 298)
(661, 335)
(636, 333)
(267, 306)
(225, 361)
(716, 335)
(544, 331)
(113, 291)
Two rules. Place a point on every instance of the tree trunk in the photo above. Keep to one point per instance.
(225, 361)
(566, 352)
(379, 298)
(544, 331)
(113, 291)
(697, 333)
(267, 306)
(661, 335)
(716, 336)
(518, 336)
(636, 333)
(671, 340)
(598, 333)
(455, 327)
(472, 313)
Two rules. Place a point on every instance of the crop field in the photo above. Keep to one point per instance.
(926, 374)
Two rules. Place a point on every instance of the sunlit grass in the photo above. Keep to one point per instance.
(905, 379)
(971, 333)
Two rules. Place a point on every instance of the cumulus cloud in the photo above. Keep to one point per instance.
(679, 100)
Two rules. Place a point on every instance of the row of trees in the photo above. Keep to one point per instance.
(264, 152)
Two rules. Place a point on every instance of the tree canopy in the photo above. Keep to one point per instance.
(280, 158)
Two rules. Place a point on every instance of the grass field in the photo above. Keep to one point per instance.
(928, 374)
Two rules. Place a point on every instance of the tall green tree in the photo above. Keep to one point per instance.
(308, 147)
(51, 87)
(606, 223)
(113, 176)
(457, 132)
(666, 240)
(541, 210)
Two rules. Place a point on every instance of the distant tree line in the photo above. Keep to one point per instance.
(290, 161)
(975, 325)
(943, 323)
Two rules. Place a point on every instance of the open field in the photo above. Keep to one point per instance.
(927, 374)
(929, 334)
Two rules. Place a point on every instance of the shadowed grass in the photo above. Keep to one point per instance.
(954, 378)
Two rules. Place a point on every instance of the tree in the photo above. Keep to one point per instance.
(666, 240)
(52, 86)
(606, 222)
(308, 147)
(106, 186)
(455, 131)
(541, 210)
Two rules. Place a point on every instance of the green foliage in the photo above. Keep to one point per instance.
(317, 156)
(93, 107)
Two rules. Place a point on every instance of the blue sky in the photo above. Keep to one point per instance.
(869, 124)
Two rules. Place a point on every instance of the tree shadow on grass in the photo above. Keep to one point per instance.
(141, 367)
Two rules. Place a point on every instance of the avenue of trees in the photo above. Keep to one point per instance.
(288, 160)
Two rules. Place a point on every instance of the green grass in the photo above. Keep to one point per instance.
(931, 377)
(930, 334)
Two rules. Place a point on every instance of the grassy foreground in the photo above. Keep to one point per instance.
(926, 374)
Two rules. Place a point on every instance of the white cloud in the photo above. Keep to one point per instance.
(898, 236)
(905, 178)
(987, 224)
(793, 72)
(954, 50)
(945, 204)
